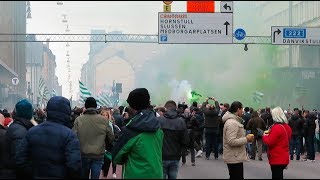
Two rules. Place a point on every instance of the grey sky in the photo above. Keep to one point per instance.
(132, 17)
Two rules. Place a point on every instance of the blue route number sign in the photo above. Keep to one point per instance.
(240, 34)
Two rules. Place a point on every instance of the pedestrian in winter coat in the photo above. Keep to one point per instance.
(277, 142)
(296, 125)
(254, 123)
(176, 138)
(139, 147)
(309, 130)
(52, 149)
(94, 135)
(15, 133)
(3, 131)
(235, 140)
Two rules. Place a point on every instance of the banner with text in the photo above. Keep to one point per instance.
(195, 28)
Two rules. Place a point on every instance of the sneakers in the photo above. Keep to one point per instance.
(199, 153)
(207, 158)
(114, 175)
(193, 164)
(260, 159)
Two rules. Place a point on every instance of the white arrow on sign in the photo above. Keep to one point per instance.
(226, 6)
(195, 28)
(15, 81)
(293, 35)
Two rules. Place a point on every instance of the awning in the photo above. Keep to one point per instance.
(3, 65)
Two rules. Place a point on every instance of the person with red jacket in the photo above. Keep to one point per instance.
(277, 140)
(7, 118)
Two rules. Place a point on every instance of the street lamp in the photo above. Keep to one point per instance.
(64, 20)
(28, 10)
(67, 30)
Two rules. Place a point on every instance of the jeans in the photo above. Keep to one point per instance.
(212, 135)
(170, 169)
(295, 144)
(256, 144)
(106, 166)
(92, 164)
(248, 145)
(235, 170)
(277, 171)
(310, 148)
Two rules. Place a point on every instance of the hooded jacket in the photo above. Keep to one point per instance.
(139, 147)
(234, 139)
(51, 148)
(175, 135)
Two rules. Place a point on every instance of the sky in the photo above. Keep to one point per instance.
(131, 17)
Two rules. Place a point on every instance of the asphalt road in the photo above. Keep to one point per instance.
(253, 169)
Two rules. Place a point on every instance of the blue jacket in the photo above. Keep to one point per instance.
(51, 149)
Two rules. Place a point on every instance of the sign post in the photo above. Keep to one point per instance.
(195, 28)
(288, 35)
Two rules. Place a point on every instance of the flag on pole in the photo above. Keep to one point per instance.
(54, 93)
(43, 90)
(257, 96)
(84, 92)
(104, 100)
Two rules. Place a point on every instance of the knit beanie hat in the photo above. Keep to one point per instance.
(24, 109)
(139, 99)
(90, 103)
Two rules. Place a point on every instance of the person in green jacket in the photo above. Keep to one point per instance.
(139, 147)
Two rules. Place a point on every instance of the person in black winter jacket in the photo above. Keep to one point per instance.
(15, 133)
(296, 125)
(309, 130)
(212, 124)
(51, 149)
(175, 139)
(3, 131)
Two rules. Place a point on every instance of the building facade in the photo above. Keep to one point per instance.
(12, 54)
(298, 65)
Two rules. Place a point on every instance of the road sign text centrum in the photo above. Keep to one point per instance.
(195, 28)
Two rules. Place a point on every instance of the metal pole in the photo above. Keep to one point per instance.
(290, 24)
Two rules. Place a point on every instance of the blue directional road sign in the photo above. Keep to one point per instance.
(240, 34)
(292, 35)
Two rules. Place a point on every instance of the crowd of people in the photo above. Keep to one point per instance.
(148, 141)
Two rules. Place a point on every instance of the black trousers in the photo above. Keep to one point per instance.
(106, 166)
(277, 171)
(235, 171)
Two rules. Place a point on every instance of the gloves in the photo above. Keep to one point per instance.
(259, 132)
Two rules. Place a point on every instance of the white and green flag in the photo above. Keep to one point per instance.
(257, 96)
(54, 93)
(84, 92)
(43, 91)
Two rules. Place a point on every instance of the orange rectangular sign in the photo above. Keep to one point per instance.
(200, 6)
